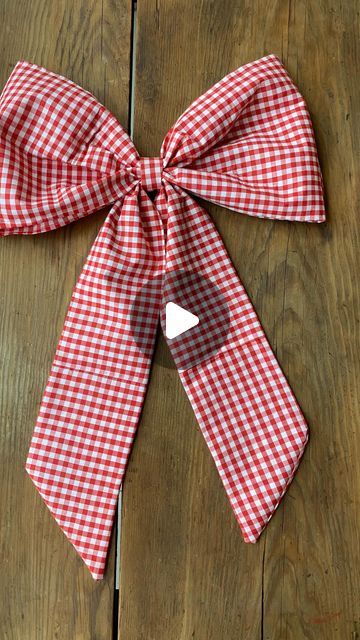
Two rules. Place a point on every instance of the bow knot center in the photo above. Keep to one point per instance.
(149, 171)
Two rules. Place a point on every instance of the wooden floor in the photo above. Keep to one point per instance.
(185, 573)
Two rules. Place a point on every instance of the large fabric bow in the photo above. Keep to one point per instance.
(246, 144)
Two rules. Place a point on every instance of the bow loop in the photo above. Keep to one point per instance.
(63, 155)
(248, 144)
(219, 112)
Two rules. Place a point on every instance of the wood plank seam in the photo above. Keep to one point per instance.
(130, 128)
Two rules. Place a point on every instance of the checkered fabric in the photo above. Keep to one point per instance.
(246, 144)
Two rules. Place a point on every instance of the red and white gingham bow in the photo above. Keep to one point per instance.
(246, 144)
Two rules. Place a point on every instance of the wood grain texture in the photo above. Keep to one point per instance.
(46, 592)
(186, 573)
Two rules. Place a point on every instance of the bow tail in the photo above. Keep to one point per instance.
(93, 398)
(243, 403)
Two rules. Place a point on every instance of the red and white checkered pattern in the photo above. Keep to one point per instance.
(246, 144)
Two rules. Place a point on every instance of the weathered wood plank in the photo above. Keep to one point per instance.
(312, 569)
(185, 571)
(46, 591)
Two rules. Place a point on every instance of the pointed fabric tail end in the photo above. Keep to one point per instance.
(93, 555)
(253, 427)
(78, 454)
